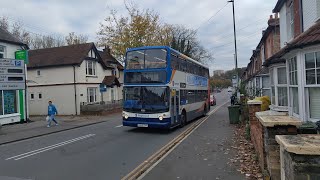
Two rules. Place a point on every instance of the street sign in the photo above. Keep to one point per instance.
(103, 88)
(22, 55)
(12, 74)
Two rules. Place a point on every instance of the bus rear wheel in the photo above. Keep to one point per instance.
(205, 110)
(183, 119)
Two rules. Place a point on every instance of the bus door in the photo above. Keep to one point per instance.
(175, 102)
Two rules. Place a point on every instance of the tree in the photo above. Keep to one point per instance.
(72, 38)
(144, 28)
(4, 23)
(140, 28)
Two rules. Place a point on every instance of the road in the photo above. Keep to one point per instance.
(102, 151)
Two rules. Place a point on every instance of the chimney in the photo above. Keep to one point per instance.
(272, 20)
(106, 49)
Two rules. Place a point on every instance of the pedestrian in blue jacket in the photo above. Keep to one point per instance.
(52, 111)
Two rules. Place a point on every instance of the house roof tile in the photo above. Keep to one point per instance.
(6, 36)
(307, 38)
(111, 81)
(59, 56)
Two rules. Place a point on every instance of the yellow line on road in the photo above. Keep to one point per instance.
(146, 166)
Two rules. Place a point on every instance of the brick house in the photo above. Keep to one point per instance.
(297, 64)
(256, 76)
(71, 76)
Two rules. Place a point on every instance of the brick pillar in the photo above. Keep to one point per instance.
(257, 131)
(254, 106)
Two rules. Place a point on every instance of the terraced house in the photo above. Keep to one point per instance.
(294, 70)
(72, 76)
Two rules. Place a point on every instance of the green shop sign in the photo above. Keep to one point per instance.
(22, 55)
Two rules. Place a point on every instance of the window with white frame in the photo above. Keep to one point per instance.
(293, 85)
(40, 96)
(265, 86)
(38, 73)
(279, 94)
(114, 72)
(90, 68)
(2, 51)
(92, 95)
(262, 54)
(312, 74)
(32, 96)
(290, 21)
(318, 8)
(258, 86)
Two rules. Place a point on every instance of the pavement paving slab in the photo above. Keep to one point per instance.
(204, 155)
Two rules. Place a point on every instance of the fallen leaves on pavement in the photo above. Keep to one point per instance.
(246, 156)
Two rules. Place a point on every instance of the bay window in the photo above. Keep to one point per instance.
(312, 79)
(279, 91)
(293, 85)
(265, 86)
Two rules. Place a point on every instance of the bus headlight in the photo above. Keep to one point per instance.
(160, 118)
(125, 115)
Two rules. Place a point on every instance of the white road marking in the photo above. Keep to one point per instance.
(37, 151)
(119, 126)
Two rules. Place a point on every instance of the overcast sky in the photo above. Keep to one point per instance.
(83, 16)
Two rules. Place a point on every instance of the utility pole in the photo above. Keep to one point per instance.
(235, 45)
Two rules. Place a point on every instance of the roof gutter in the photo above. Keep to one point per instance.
(279, 5)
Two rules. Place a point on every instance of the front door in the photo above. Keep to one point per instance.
(175, 99)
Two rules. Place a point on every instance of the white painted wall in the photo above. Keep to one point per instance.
(81, 76)
(10, 49)
(61, 96)
(56, 75)
(310, 14)
(283, 26)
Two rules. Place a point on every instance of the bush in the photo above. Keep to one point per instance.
(265, 102)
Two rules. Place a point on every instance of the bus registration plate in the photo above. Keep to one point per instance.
(142, 125)
(142, 115)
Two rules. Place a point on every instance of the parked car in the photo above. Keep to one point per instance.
(229, 89)
(212, 100)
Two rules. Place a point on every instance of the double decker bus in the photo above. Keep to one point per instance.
(163, 88)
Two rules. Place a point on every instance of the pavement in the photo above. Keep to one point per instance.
(37, 127)
(204, 155)
(107, 150)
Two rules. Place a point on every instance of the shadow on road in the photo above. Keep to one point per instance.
(151, 131)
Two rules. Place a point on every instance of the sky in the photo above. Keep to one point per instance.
(212, 19)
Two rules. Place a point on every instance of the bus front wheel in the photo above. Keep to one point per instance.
(205, 110)
(183, 119)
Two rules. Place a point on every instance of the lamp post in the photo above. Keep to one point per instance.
(235, 45)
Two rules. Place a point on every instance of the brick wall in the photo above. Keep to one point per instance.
(276, 40)
(300, 167)
(257, 134)
(297, 18)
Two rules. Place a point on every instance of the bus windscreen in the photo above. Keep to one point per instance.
(146, 59)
